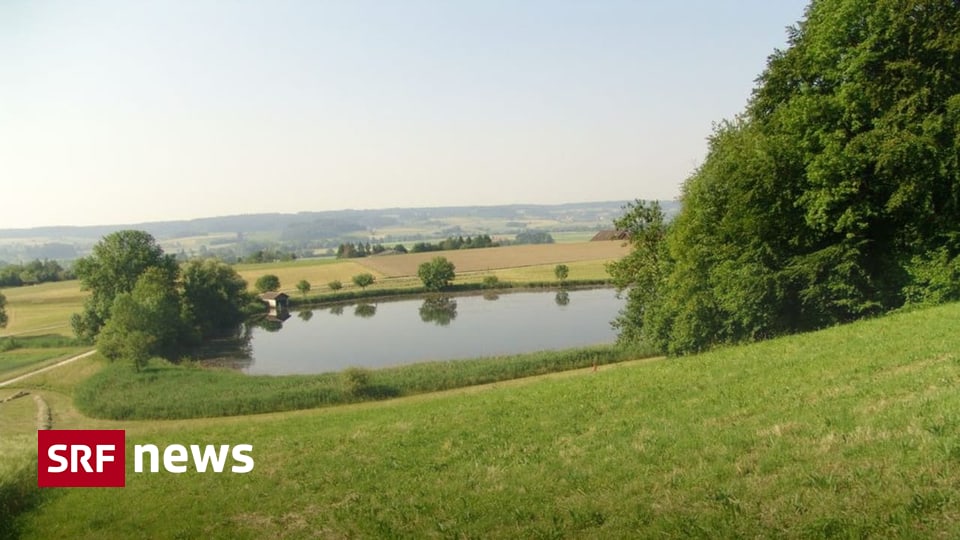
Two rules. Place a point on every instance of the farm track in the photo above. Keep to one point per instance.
(47, 368)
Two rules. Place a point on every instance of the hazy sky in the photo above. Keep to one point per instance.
(128, 111)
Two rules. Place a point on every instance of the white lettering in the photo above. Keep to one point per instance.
(102, 456)
(169, 459)
(238, 455)
(80, 453)
(152, 451)
(52, 454)
(209, 455)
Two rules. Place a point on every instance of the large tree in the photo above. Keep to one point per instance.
(212, 298)
(144, 322)
(835, 195)
(114, 267)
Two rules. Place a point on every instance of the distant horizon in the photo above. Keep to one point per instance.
(131, 112)
(294, 213)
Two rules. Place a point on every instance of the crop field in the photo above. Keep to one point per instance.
(485, 260)
(850, 432)
(42, 309)
(319, 272)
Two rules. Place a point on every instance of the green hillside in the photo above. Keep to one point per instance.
(852, 431)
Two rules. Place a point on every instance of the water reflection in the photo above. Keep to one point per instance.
(440, 310)
(305, 315)
(365, 311)
(422, 329)
(270, 324)
(233, 351)
(491, 295)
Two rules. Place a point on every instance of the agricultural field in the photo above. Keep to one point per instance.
(486, 260)
(43, 308)
(847, 432)
(319, 272)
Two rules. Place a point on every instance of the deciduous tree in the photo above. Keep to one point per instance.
(437, 274)
(267, 283)
(834, 196)
(114, 267)
(303, 286)
(213, 297)
(363, 280)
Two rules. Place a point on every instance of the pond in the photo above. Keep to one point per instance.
(390, 333)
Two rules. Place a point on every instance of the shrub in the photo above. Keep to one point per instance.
(356, 381)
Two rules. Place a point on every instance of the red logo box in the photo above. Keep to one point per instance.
(81, 458)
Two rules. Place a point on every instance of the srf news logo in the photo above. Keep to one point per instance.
(97, 458)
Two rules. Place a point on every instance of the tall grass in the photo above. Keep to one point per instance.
(167, 391)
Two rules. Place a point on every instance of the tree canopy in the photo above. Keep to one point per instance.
(835, 195)
(142, 304)
(267, 283)
(114, 267)
(437, 273)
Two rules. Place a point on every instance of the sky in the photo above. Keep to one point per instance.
(120, 112)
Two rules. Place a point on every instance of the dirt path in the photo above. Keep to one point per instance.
(48, 368)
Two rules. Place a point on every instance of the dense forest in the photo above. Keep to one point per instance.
(835, 195)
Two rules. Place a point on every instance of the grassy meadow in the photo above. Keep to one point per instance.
(849, 432)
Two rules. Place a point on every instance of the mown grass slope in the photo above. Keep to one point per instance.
(849, 432)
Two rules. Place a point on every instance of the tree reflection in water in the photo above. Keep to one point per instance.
(440, 310)
(562, 298)
(365, 310)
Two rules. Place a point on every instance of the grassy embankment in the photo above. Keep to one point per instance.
(849, 432)
(166, 391)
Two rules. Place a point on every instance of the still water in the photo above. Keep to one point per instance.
(390, 333)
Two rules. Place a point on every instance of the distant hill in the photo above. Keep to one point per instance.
(318, 230)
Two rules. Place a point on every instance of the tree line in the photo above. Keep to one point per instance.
(360, 249)
(834, 196)
(33, 272)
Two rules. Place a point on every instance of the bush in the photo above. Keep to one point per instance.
(335, 285)
(491, 282)
(356, 381)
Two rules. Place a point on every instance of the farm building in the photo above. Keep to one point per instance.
(609, 235)
(276, 300)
